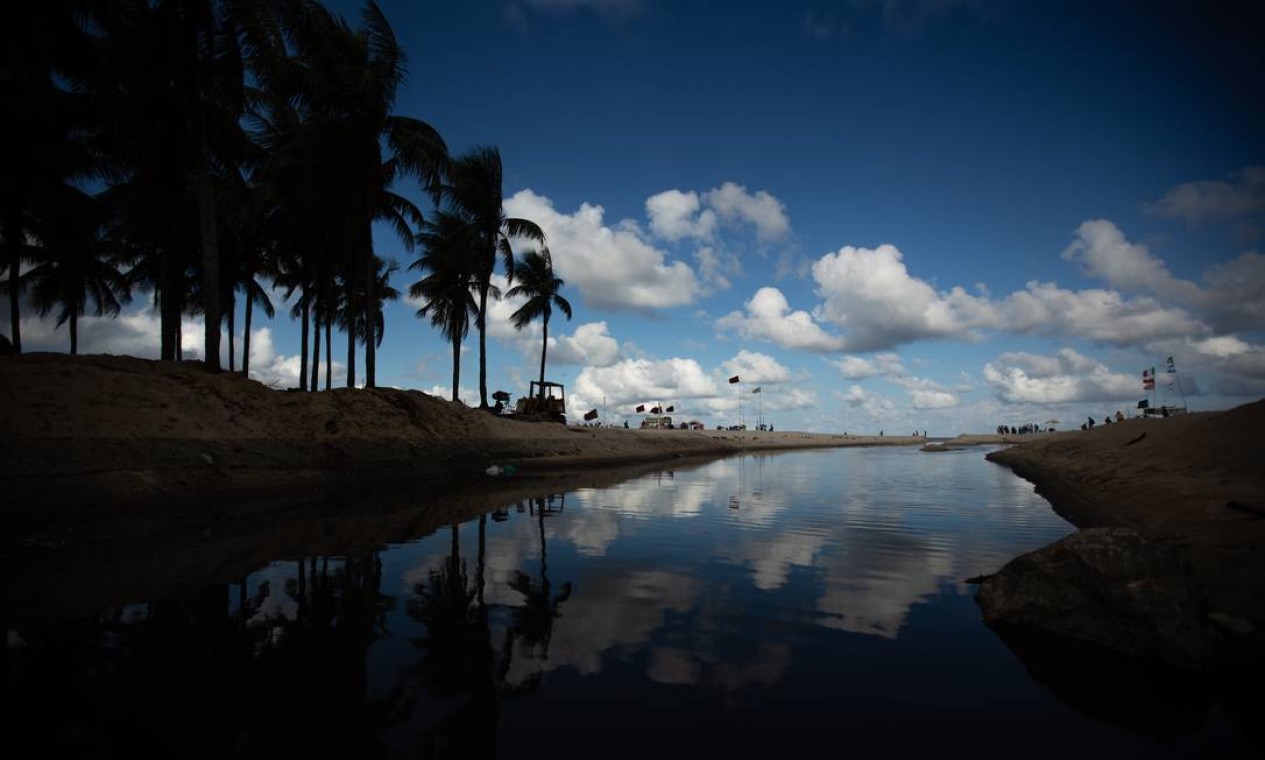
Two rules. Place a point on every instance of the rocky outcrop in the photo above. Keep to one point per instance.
(1108, 587)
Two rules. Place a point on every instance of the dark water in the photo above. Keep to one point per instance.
(806, 603)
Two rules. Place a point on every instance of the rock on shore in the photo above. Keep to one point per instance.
(1170, 564)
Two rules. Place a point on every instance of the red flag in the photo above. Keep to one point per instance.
(641, 407)
(733, 379)
(1148, 379)
(590, 415)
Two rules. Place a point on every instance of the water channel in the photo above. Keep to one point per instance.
(764, 606)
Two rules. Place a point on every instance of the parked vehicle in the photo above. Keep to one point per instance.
(544, 398)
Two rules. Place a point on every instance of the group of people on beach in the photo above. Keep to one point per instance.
(1106, 420)
(1024, 429)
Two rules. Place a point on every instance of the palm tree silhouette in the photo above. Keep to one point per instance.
(539, 285)
(475, 195)
(353, 150)
(44, 54)
(446, 291)
(72, 271)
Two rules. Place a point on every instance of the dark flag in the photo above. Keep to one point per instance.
(671, 409)
(656, 410)
(733, 379)
(1144, 404)
(641, 407)
(590, 415)
(757, 389)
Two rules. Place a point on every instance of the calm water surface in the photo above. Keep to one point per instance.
(751, 607)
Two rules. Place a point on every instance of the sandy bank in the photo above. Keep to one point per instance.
(88, 430)
(1170, 562)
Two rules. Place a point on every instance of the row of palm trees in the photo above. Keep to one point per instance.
(204, 150)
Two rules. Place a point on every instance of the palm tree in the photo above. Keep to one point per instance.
(354, 150)
(44, 53)
(368, 325)
(475, 193)
(168, 89)
(446, 292)
(539, 285)
(72, 271)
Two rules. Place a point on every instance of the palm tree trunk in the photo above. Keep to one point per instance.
(351, 358)
(316, 350)
(13, 240)
(329, 353)
(303, 348)
(483, 346)
(351, 353)
(197, 21)
(544, 346)
(210, 263)
(168, 307)
(371, 317)
(231, 314)
(74, 332)
(250, 303)
(456, 366)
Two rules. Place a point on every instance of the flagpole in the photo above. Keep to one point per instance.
(1171, 367)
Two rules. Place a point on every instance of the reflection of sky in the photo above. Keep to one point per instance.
(845, 541)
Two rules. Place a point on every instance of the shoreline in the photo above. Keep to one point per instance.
(82, 432)
(1168, 563)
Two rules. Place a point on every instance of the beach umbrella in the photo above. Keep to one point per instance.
(1051, 422)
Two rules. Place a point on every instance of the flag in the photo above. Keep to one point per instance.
(590, 415)
(656, 410)
(757, 389)
(1148, 379)
(733, 379)
(1144, 404)
(1172, 367)
(641, 407)
(671, 409)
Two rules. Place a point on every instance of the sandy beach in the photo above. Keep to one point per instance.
(92, 430)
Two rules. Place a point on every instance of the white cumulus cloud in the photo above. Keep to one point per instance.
(870, 293)
(612, 267)
(768, 316)
(1020, 377)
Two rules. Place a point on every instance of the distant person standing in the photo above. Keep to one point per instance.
(1119, 416)
(1090, 423)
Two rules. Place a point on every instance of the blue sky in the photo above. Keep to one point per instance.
(889, 214)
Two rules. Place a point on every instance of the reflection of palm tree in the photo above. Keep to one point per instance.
(534, 621)
(458, 660)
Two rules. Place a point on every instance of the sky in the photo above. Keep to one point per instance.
(887, 215)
